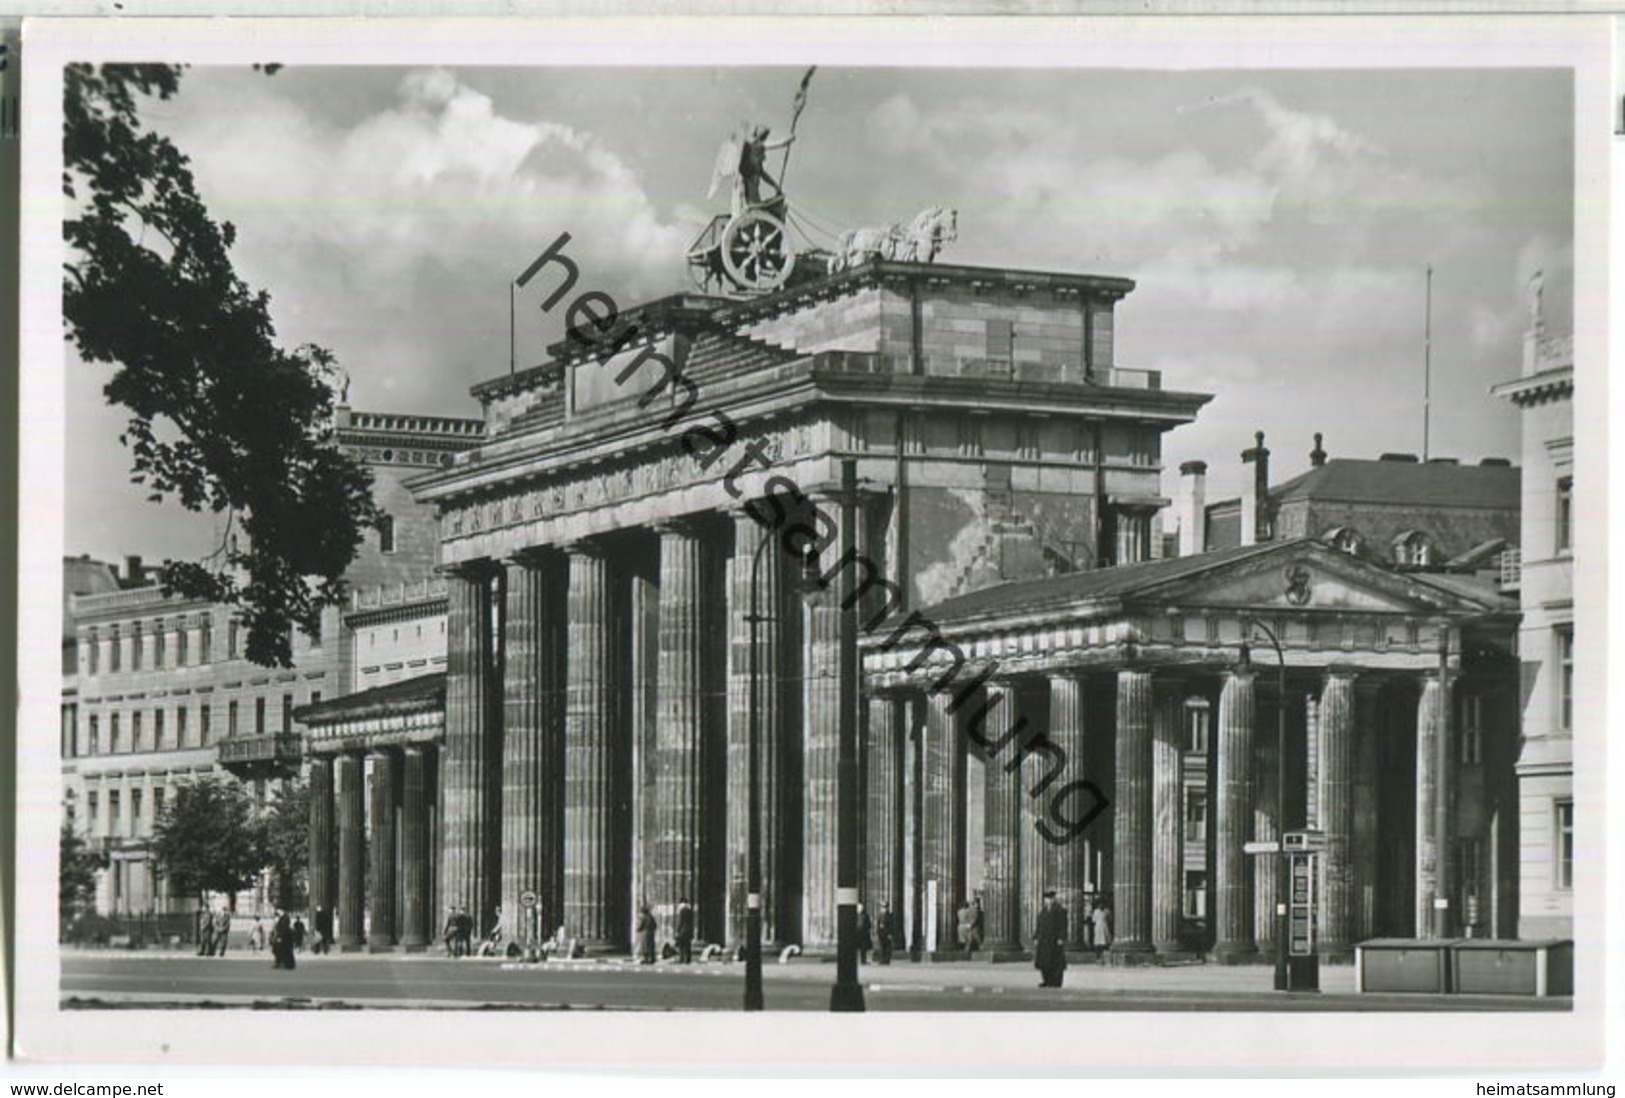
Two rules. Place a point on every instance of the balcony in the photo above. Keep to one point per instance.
(275, 754)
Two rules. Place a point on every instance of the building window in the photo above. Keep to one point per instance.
(259, 716)
(113, 652)
(94, 645)
(180, 726)
(1001, 341)
(1195, 894)
(231, 719)
(287, 712)
(157, 802)
(181, 637)
(159, 639)
(1414, 548)
(94, 806)
(1198, 725)
(1563, 854)
(112, 811)
(231, 639)
(1195, 815)
(315, 697)
(204, 714)
(95, 745)
(112, 738)
(205, 639)
(1565, 515)
(157, 729)
(1565, 678)
(1472, 730)
(386, 534)
(135, 647)
(135, 732)
(135, 812)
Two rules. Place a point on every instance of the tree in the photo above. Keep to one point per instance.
(221, 418)
(208, 838)
(285, 842)
(77, 865)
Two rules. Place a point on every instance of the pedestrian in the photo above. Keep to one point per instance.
(970, 925)
(884, 934)
(324, 931)
(1049, 941)
(866, 935)
(298, 932)
(646, 935)
(205, 932)
(1102, 920)
(491, 944)
(449, 934)
(685, 931)
(465, 932)
(256, 937)
(282, 941)
(222, 931)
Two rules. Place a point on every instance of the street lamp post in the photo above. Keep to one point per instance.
(1282, 884)
(753, 871)
(847, 993)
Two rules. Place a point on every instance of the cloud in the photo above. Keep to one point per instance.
(436, 198)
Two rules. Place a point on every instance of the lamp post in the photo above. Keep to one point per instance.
(753, 870)
(1281, 882)
(847, 993)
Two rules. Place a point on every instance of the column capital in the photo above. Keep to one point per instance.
(1241, 671)
(530, 556)
(585, 547)
(676, 525)
(479, 568)
(1344, 671)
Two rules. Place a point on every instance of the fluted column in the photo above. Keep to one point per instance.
(675, 845)
(1168, 814)
(1429, 727)
(821, 755)
(943, 794)
(533, 740)
(1266, 870)
(594, 870)
(1001, 822)
(1233, 879)
(883, 844)
(1336, 785)
(1068, 868)
(347, 776)
(1363, 833)
(416, 915)
(323, 892)
(1131, 852)
(381, 863)
(471, 761)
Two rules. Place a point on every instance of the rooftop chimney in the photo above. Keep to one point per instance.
(1192, 508)
(1317, 456)
(1536, 331)
(132, 569)
(1255, 494)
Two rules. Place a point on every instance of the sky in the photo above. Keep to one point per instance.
(1278, 224)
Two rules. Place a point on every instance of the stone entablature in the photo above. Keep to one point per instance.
(366, 733)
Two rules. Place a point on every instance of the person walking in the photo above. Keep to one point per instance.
(1101, 917)
(282, 942)
(222, 931)
(884, 934)
(866, 935)
(970, 925)
(1049, 942)
(298, 933)
(464, 937)
(256, 936)
(685, 931)
(205, 932)
(646, 935)
(324, 931)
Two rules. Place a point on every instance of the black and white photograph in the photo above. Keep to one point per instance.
(1076, 532)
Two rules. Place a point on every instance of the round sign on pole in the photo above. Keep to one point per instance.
(527, 899)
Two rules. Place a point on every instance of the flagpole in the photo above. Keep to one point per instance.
(1427, 364)
(795, 117)
(513, 347)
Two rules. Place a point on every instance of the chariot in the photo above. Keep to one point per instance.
(746, 253)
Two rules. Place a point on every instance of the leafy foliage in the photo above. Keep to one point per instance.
(221, 418)
(208, 837)
(285, 841)
(77, 865)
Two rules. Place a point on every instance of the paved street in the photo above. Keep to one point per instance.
(147, 979)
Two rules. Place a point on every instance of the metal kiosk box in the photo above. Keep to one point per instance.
(1486, 966)
(1403, 964)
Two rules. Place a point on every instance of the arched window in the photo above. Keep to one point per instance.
(1413, 547)
(1345, 539)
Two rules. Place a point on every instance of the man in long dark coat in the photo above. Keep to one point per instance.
(684, 933)
(1049, 941)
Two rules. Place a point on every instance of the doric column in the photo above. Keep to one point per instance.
(381, 863)
(471, 759)
(1336, 785)
(943, 794)
(533, 740)
(323, 892)
(1429, 727)
(912, 911)
(348, 778)
(1001, 821)
(416, 914)
(1068, 870)
(1266, 870)
(675, 844)
(1233, 882)
(883, 845)
(821, 754)
(594, 870)
(1363, 829)
(1131, 852)
(1167, 812)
